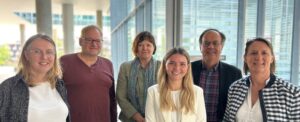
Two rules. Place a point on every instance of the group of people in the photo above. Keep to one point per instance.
(148, 90)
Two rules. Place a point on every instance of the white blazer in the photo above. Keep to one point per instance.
(153, 113)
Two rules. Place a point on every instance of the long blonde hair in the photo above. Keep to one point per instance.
(187, 95)
(24, 67)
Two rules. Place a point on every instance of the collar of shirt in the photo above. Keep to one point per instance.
(267, 81)
(213, 69)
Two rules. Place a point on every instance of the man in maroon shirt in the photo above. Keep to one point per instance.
(89, 80)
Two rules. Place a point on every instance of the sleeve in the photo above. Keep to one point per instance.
(113, 101)
(1, 103)
(113, 104)
(295, 109)
(126, 107)
(229, 101)
(201, 106)
(1, 98)
(149, 110)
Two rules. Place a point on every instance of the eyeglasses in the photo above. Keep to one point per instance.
(38, 52)
(90, 41)
(214, 43)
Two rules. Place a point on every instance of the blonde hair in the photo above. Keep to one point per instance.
(187, 95)
(24, 67)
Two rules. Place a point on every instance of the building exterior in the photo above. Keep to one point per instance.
(276, 20)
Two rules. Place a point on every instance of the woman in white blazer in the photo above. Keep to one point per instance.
(175, 98)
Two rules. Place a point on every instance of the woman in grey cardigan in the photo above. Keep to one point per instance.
(262, 96)
(135, 77)
(36, 93)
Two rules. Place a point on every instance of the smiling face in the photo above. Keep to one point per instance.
(259, 58)
(40, 55)
(211, 47)
(145, 50)
(176, 67)
(91, 43)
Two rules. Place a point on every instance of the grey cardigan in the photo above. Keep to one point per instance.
(14, 99)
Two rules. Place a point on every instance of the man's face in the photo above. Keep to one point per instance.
(91, 43)
(211, 46)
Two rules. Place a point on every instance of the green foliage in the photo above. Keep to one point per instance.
(4, 54)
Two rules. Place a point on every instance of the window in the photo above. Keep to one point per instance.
(278, 28)
(199, 15)
(159, 27)
(130, 36)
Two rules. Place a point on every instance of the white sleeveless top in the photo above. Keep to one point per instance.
(46, 104)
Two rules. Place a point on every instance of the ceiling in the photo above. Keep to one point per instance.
(8, 7)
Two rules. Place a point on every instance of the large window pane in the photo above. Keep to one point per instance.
(130, 37)
(199, 15)
(251, 16)
(278, 28)
(159, 26)
(130, 5)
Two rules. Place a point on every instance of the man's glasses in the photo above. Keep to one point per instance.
(214, 43)
(91, 41)
(38, 52)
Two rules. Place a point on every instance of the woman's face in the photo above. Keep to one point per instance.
(176, 67)
(41, 56)
(145, 50)
(259, 58)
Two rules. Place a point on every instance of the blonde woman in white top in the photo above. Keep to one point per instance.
(175, 98)
(36, 93)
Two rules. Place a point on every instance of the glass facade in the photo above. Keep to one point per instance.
(131, 35)
(57, 18)
(279, 30)
(159, 27)
(130, 6)
(131, 20)
(198, 15)
(250, 24)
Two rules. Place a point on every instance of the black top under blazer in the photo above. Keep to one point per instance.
(227, 75)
